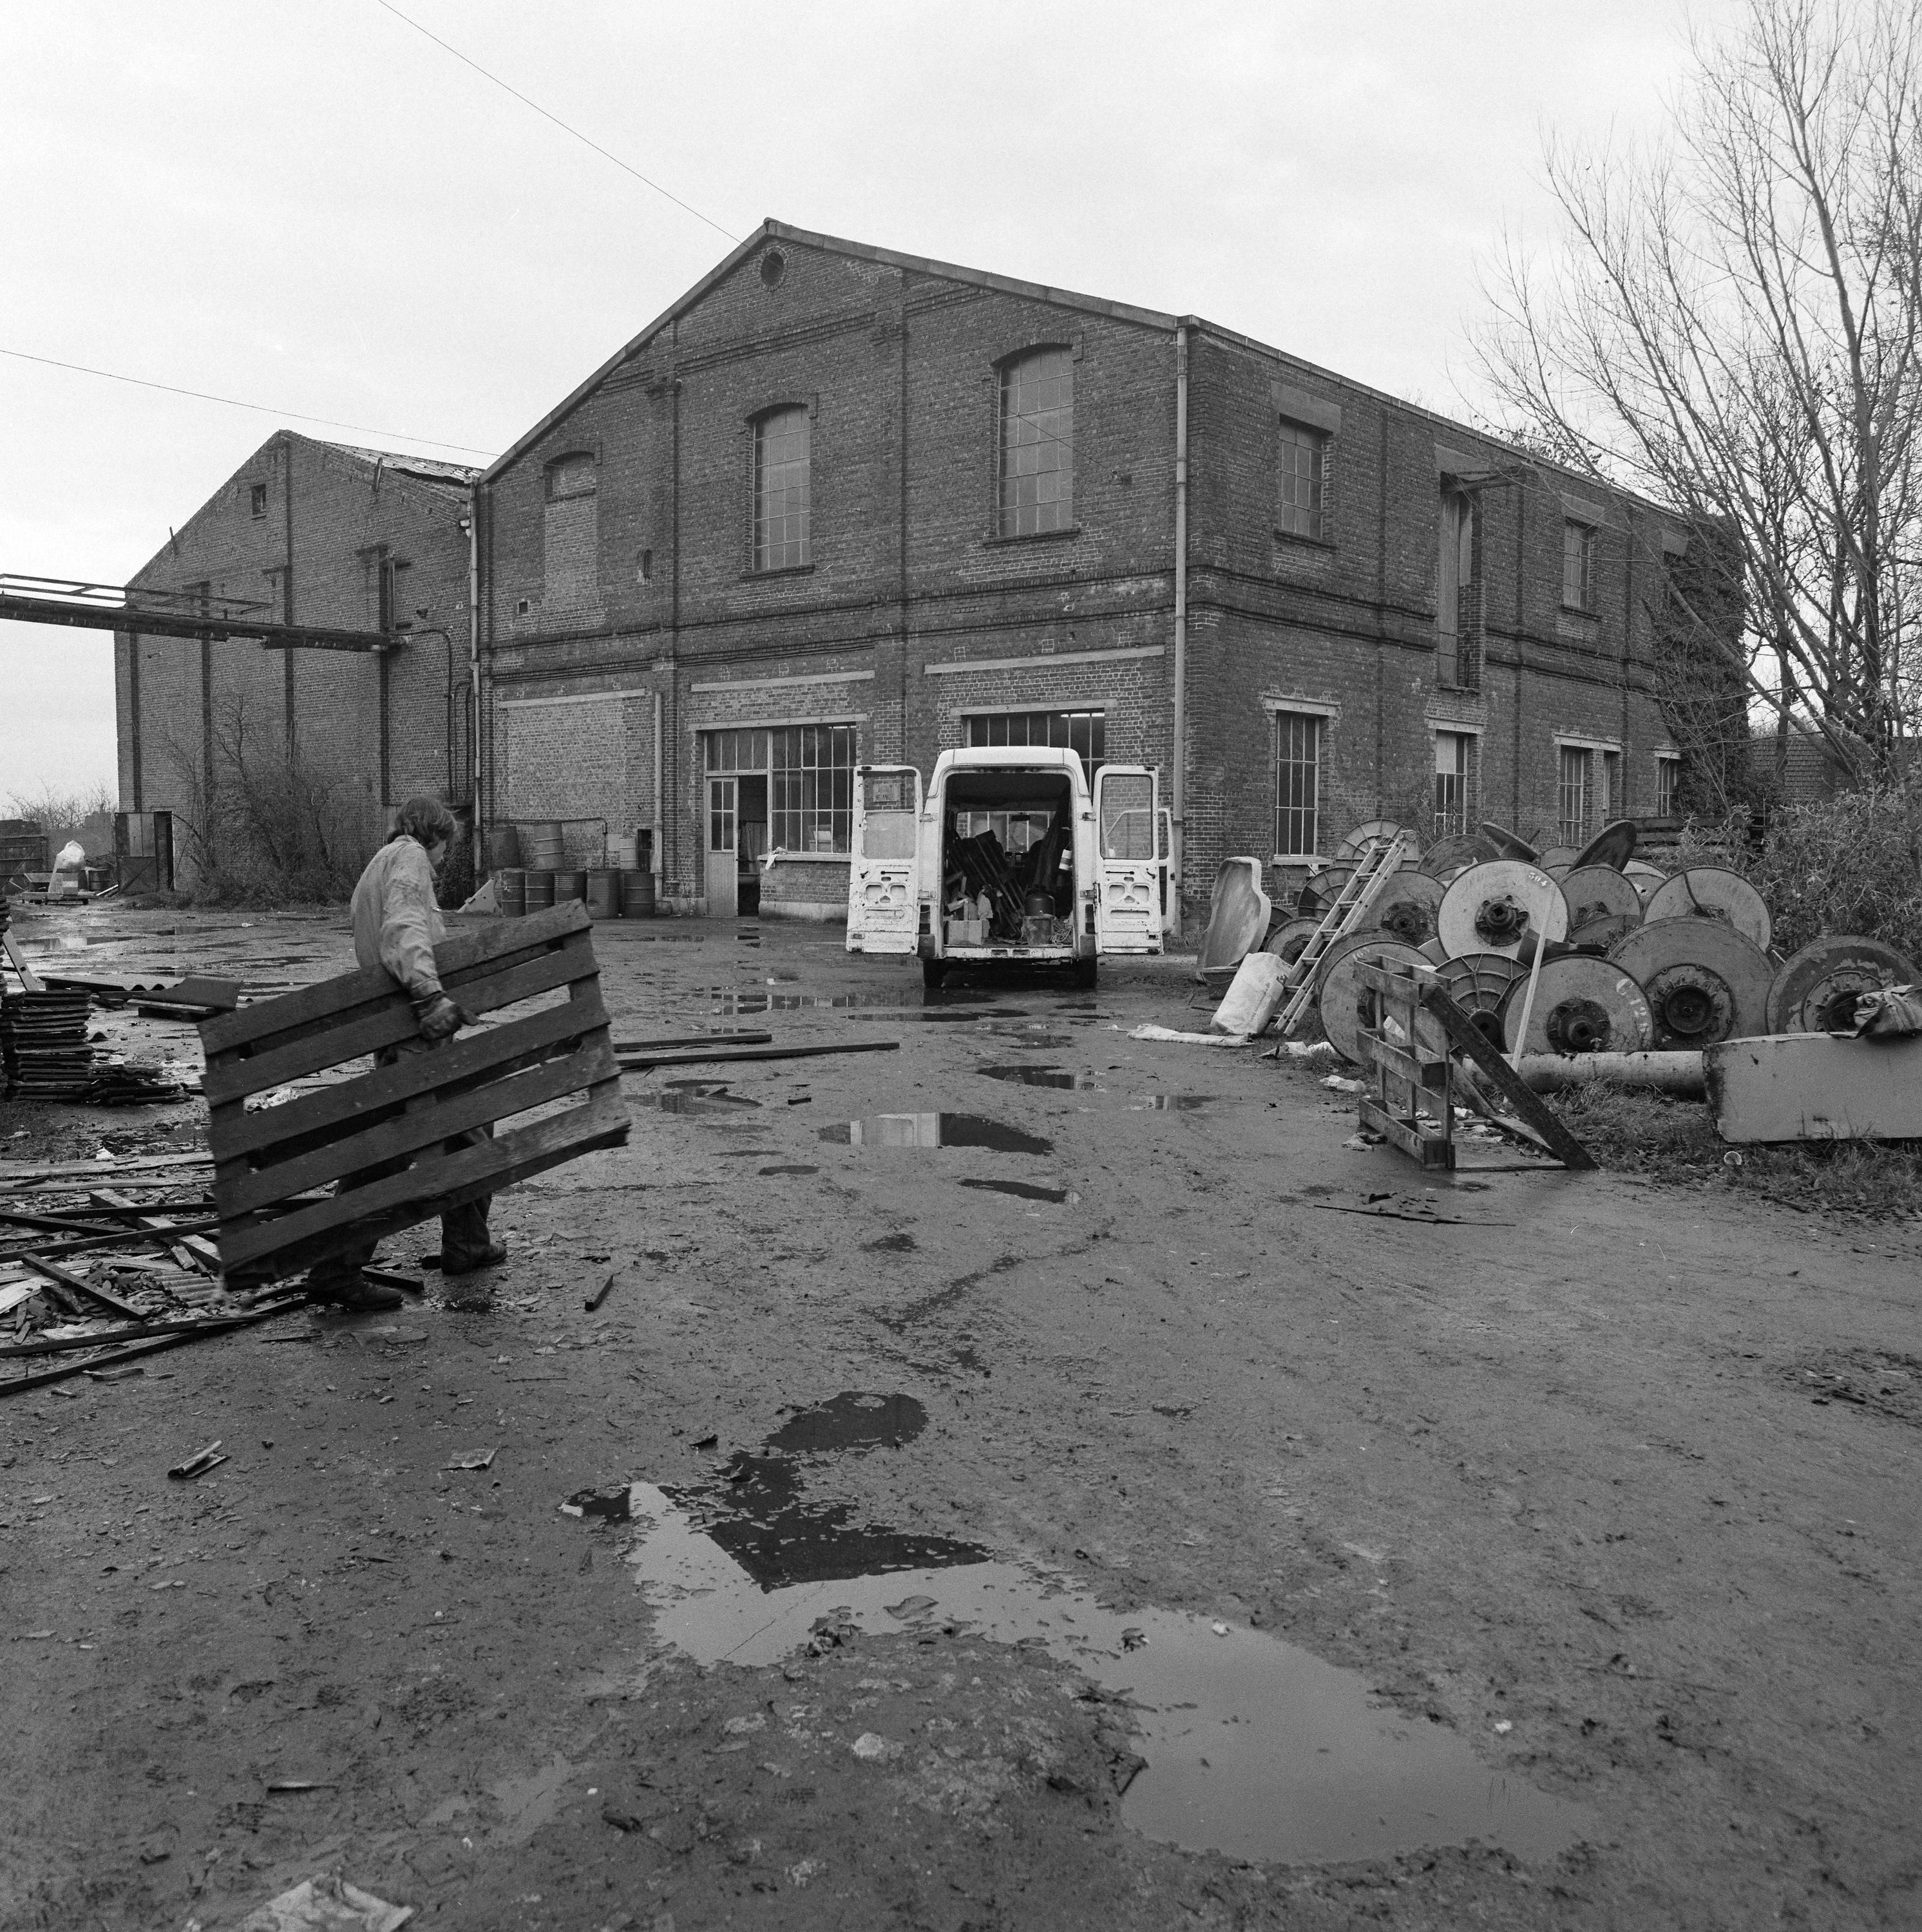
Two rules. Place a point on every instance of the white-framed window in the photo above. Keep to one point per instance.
(1577, 565)
(1298, 754)
(810, 772)
(1668, 783)
(1458, 763)
(783, 486)
(1301, 481)
(1037, 488)
(1084, 732)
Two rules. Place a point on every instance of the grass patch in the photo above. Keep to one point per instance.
(1673, 1142)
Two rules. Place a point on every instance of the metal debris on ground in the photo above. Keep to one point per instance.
(325, 1904)
(198, 1464)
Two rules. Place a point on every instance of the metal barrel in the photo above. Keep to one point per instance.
(540, 846)
(569, 886)
(603, 893)
(540, 891)
(510, 891)
(636, 895)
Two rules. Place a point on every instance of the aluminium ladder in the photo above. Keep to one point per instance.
(1377, 865)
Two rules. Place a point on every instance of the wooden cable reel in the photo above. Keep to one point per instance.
(1343, 997)
(1815, 991)
(1492, 907)
(1600, 892)
(1558, 858)
(1582, 1005)
(1377, 832)
(1406, 906)
(1509, 845)
(1704, 981)
(1478, 982)
(1447, 856)
(1322, 890)
(1288, 939)
(1613, 846)
(1708, 892)
(1644, 877)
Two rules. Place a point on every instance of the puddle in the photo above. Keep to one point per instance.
(1170, 1103)
(853, 1421)
(932, 1014)
(797, 1168)
(934, 1130)
(1026, 1191)
(1045, 1076)
(1255, 1748)
(725, 999)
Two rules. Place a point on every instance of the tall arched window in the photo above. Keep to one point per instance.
(1037, 443)
(783, 519)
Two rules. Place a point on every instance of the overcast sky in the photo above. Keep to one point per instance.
(317, 209)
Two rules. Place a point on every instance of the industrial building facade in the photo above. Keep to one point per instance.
(842, 506)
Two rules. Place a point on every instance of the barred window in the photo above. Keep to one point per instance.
(783, 518)
(811, 795)
(1578, 565)
(1297, 783)
(1037, 443)
(1084, 732)
(1456, 809)
(1576, 792)
(1303, 481)
(1667, 784)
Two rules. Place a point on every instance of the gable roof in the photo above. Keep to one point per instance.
(772, 230)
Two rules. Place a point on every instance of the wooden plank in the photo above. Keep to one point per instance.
(235, 1077)
(1436, 1154)
(1815, 1086)
(103, 1169)
(631, 1064)
(1384, 1053)
(430, 1187)
(418, 1127)
(1469, 1040)
(54, 1271)
(463, 953)
(122, 1238)
(242, 1132)
(223, 1325)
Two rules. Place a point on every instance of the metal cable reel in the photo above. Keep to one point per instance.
(1322, 890)
(1644, 877)
(1377, 832)
(1509, 845)
(1600, 892)
(1447, 856)
(1344, 999)
(1613, 846)
(1582, 1005)
(1704, 981)
(1603, 933)
(1816, 989)
(1478, 982)
(1289, 938)
(1405, 908)
(1339, 948)
(1708, 892)
(1490, 908)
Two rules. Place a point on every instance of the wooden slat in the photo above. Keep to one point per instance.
(1435, 1154)
(358, 1037)
(1428, 1074)
(418, 1127)
(459, 954)
(429, 1187)
(1469, 1040)
(241, 1133)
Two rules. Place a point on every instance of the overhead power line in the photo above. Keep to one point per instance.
(234, 403)
(562, 125)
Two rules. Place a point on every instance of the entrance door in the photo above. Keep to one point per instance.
(750, 842)
(1127, 894)
(723, 833)
(884, 910)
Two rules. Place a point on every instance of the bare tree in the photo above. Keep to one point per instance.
(1731, 327)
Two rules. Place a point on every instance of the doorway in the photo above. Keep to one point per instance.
(751, 841)
(723, 860)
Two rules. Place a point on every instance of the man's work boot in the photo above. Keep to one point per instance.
(492, 1255)
(361, 1296)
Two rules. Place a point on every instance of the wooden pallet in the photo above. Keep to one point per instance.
(1412, 1103)
(263, 1156)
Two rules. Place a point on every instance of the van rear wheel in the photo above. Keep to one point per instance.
(933, 972)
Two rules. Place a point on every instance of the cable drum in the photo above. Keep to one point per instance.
(1600, 892)
(1704, 981)
(1345, 1001)
(1322, 890)
(1288, 939)
(1815, 990)
(1377, 831)
(1405, 908)
(1582, 1005)
(1493, 907)
(1447, 856)
(1613, 846)
(1478, 982)
(1708, 892)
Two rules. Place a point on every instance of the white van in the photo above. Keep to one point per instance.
(1008, 857)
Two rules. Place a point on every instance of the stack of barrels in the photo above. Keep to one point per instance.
(529, 875)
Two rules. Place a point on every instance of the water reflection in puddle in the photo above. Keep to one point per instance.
(1255, 1748)
(1046, 1076)
(701, 1096)
(934, 1130)
(1170, 1103)
(912, 1003)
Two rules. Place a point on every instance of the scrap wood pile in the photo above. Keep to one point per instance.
(979, 869)
(91, 1279)
(1562, 958)
(47, 1054)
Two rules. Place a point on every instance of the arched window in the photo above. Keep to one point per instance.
(783, 519)
(1036, 443)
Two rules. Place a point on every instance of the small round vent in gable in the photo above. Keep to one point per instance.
(773, 266)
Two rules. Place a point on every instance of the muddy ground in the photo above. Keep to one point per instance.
(1611, 1487)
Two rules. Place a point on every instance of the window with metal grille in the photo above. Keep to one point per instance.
(1576, 793)
(1668, 785)
(1302, 481)
(783, 515)
(1297, 783)
(1036, 444)
(1455, 756)
(1578, 565)
(1084, 732)
(811, 786)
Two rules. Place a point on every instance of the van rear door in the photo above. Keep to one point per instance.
(1128, 858)
(883, 899)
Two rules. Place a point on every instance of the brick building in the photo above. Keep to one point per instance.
(842, 505)
(322, 534)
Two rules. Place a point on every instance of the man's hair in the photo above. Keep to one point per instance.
(425, 818)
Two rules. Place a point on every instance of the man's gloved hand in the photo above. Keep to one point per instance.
(442, 1018)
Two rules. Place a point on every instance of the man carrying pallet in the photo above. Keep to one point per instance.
(396, 923)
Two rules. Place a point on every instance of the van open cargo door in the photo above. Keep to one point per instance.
(883, 897)
(1128, 857)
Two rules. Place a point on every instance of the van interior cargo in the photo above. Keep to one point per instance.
(1007, 859)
